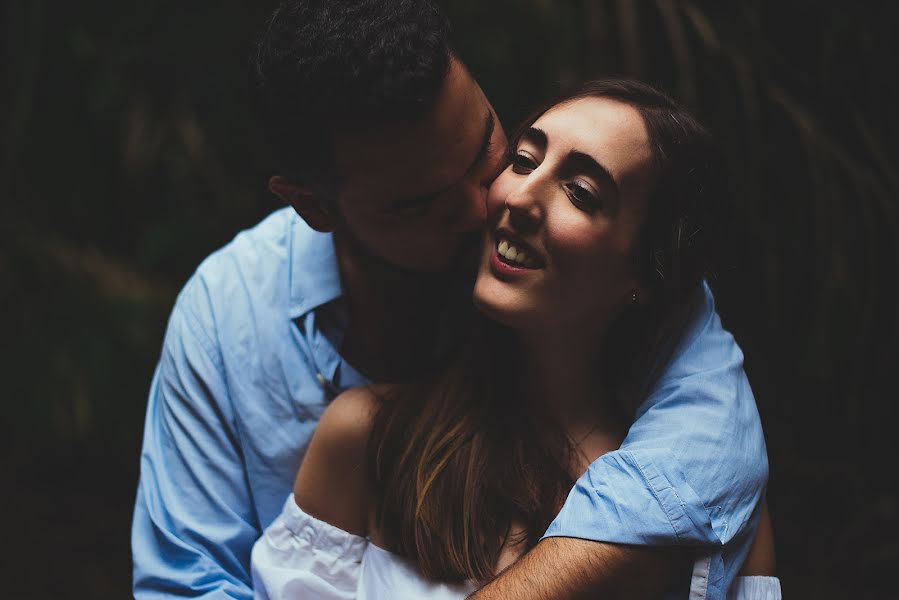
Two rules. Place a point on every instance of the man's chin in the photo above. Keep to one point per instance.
(462, 260)
(467, 258)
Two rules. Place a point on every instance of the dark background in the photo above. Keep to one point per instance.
(129, 152)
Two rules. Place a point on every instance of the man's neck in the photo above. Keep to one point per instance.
(393, 315)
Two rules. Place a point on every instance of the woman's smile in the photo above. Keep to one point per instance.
(567, 213)
(512, 256)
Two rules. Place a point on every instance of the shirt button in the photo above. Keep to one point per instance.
(321, 379)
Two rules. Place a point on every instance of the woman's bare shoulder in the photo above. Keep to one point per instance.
(333, 483)
(349, 417)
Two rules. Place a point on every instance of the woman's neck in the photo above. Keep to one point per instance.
(562, 379)
(563, 383)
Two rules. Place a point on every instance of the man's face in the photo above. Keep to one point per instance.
(414, 194)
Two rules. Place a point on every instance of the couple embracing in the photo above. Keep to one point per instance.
(457, 364)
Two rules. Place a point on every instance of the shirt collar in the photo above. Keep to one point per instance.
(314, 274)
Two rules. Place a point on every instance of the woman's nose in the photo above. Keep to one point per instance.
(525, 209)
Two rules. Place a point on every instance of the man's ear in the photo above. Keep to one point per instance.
(304, 201)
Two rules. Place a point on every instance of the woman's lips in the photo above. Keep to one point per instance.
(515, 255)
(514, 251)
(504, 267)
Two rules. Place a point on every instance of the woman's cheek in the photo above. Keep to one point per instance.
(570, 240)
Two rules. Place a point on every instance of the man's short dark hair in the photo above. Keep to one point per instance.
(322, 63)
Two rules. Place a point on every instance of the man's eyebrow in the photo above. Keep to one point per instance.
(489, 127)
(580, 161)
(405, 203)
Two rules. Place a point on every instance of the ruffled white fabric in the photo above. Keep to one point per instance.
(755, 588)
(300, 557)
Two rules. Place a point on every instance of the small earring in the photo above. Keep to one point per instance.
(634, 297)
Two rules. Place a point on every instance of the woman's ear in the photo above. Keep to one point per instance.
(640, 295)
(304, 201)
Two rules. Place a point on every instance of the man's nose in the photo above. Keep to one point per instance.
(472, 212)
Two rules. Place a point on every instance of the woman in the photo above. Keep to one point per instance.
(602, 232)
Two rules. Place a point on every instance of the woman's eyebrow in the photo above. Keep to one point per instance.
(535, 136)
(579, 161)
(576, 160)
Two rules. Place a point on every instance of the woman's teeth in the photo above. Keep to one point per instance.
(513, 254)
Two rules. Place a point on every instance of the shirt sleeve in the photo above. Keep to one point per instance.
(693, 466)
(193, 525)
(301, 557)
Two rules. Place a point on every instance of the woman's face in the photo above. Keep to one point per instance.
(565, 217)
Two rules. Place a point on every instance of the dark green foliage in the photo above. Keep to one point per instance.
(129, 152)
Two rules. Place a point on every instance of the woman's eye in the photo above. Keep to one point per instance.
(522, 162)
(583, 197)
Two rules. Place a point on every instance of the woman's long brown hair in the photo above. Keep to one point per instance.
(456, 457)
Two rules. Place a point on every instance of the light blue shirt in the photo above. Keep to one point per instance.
(250, 361)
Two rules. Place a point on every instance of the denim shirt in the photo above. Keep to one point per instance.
(250, 361)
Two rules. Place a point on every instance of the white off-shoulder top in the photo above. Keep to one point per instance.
(301, 557)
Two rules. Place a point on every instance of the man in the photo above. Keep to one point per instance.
(388, 147)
